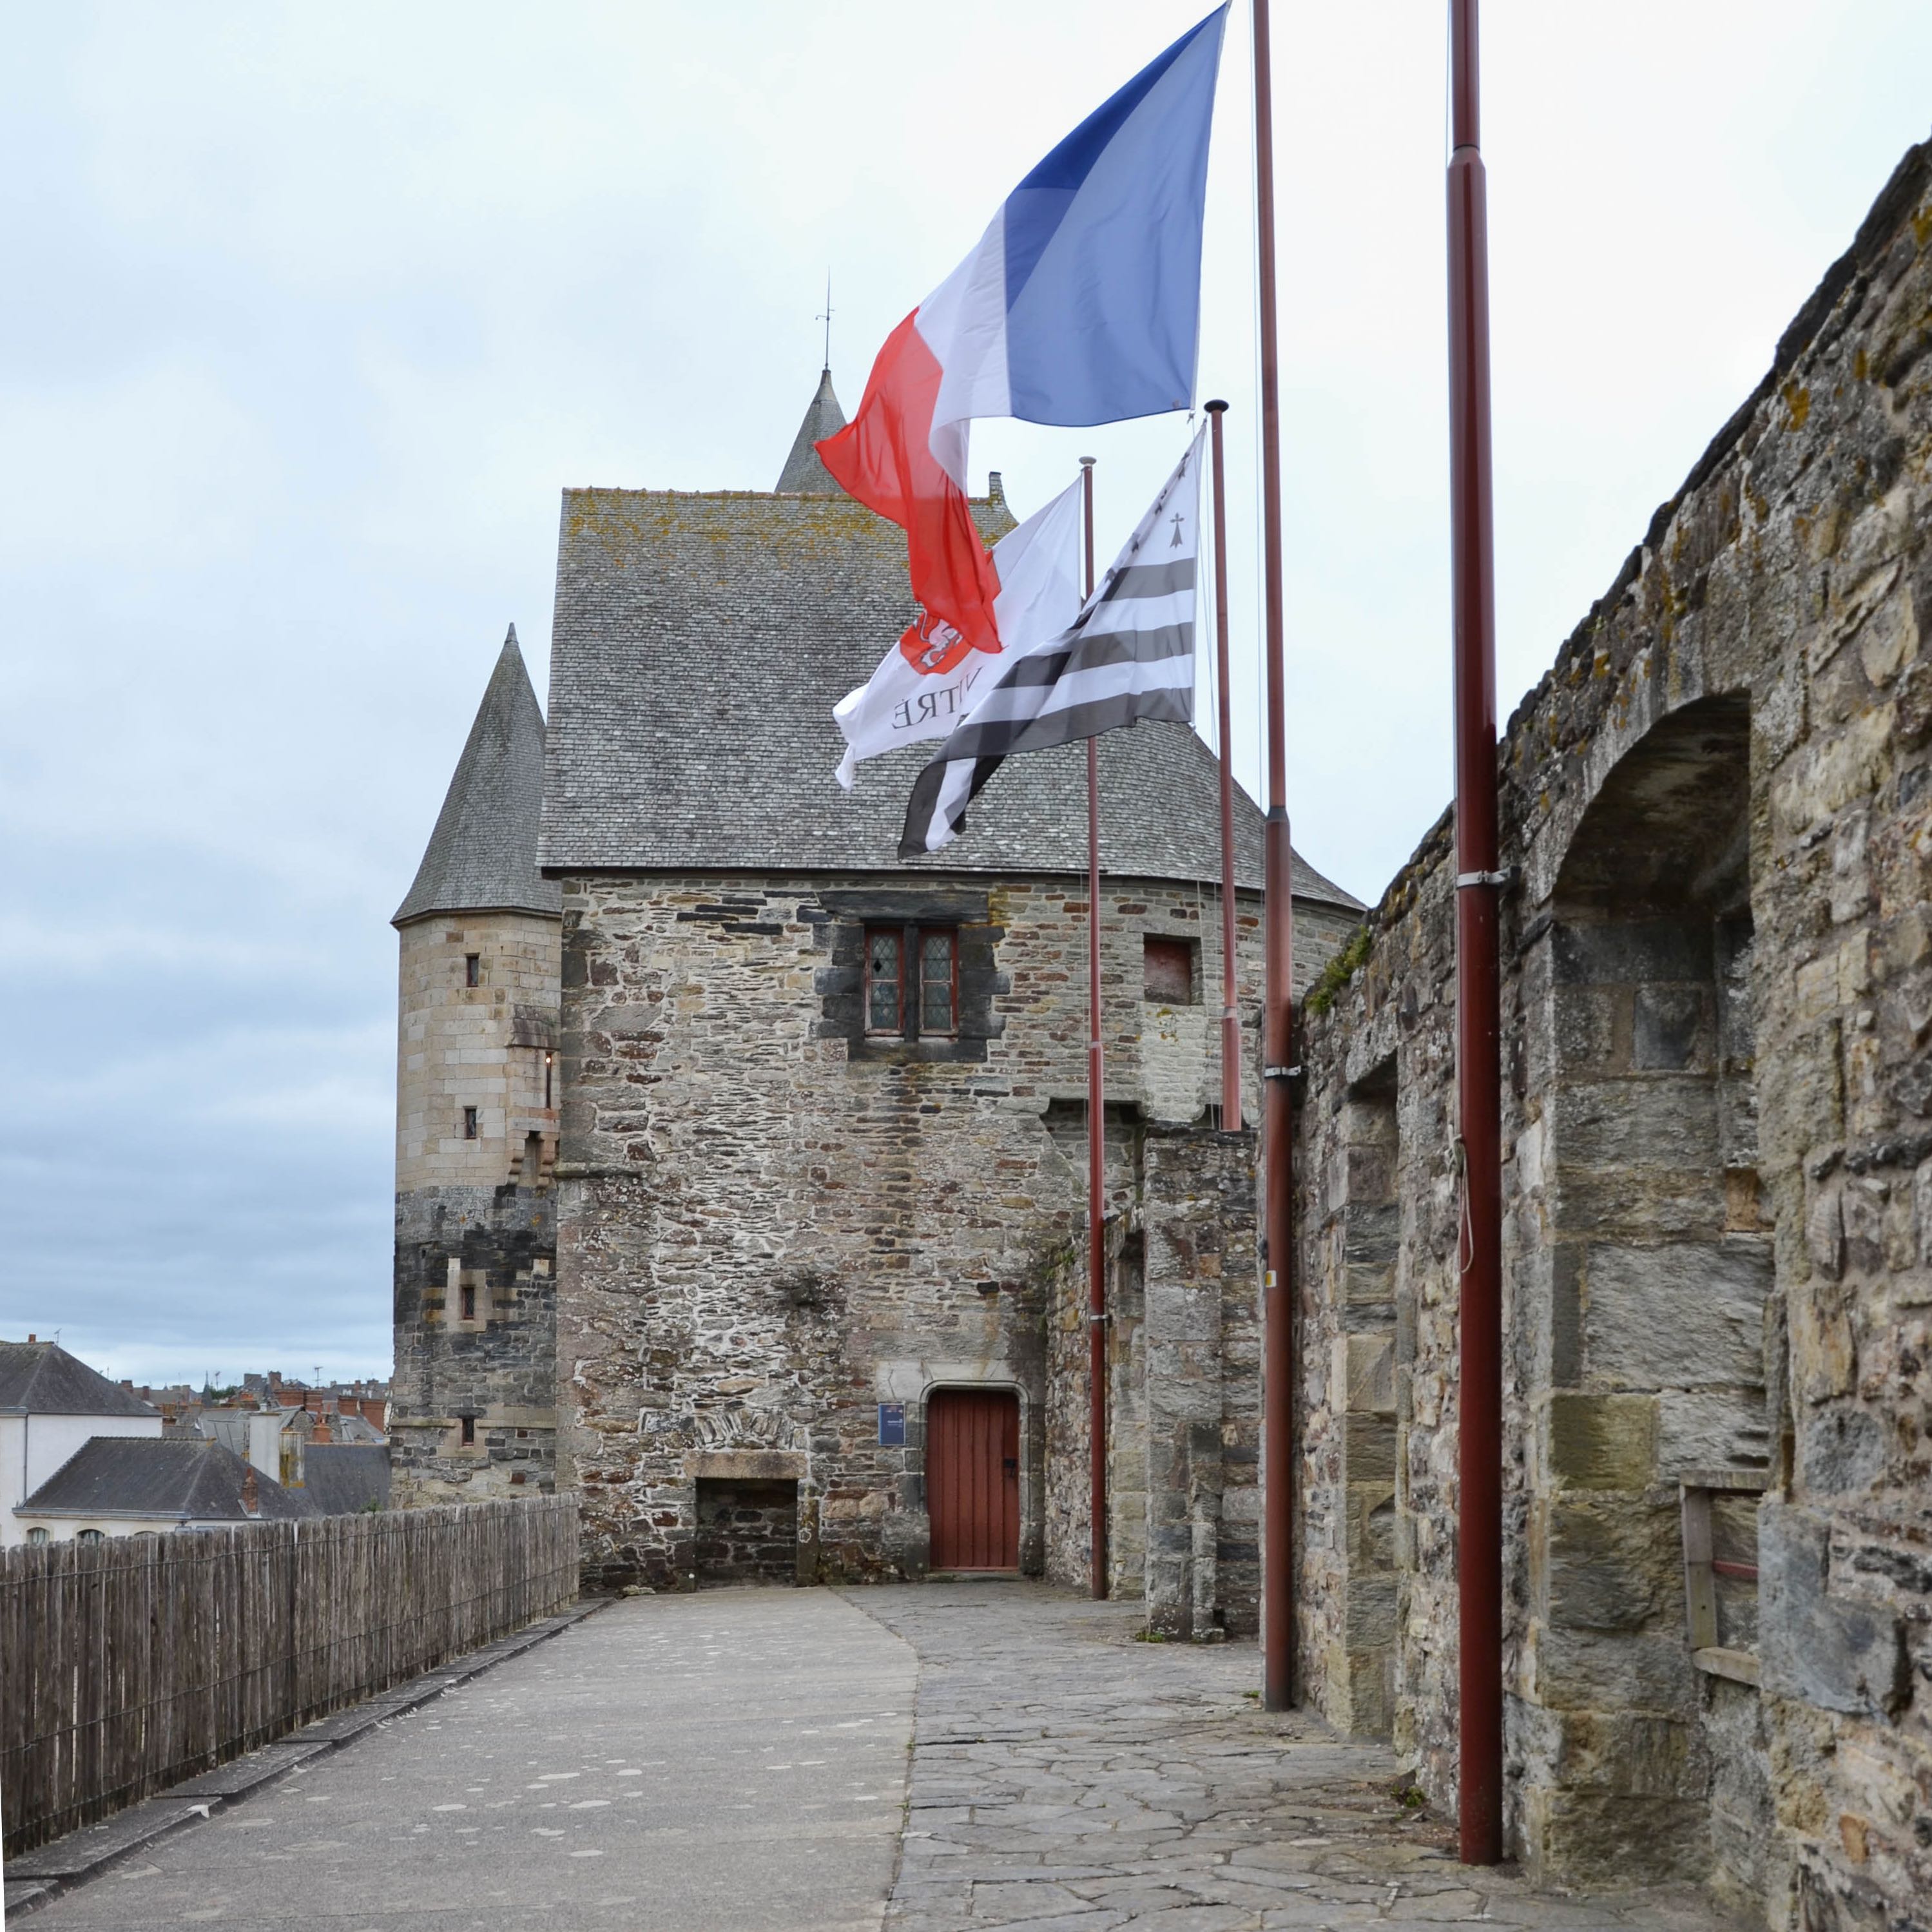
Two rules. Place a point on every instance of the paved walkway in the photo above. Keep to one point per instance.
(741, 1761)
(1067, 1779)
(733, 1762)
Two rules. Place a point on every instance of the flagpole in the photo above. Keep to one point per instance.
(1277, 1112)
(1096, 1135)
(1479, 1525)
(1231, 1020)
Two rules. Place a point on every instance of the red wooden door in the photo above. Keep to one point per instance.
(972, 1478)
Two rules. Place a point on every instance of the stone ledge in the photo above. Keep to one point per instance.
(745, 1465)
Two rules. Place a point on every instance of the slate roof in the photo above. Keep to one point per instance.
(174, 1478)
(229, 1427)
(803, 471)
(701, 641)
(482, 854)
(42, 1378)
(339, 1478)
(347, 1427)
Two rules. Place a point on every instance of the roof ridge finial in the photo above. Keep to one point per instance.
(825, 316)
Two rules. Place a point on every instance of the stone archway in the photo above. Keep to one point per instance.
(1651, 1346)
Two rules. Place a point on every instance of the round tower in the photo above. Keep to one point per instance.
(473, 1412)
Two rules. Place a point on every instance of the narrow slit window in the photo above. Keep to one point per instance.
(472, 969)
(938, 983)
(469, 1432)
(885, 981)
(469, 1123)
(466, 1300)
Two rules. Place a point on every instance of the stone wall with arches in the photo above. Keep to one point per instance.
(1717, 1032)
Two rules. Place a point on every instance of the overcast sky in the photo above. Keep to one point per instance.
(312, 310)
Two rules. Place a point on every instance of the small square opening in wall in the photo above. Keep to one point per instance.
(469, 1123)
(1169, 970)
(472, 969)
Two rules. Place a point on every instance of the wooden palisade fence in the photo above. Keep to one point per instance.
(128, 1665)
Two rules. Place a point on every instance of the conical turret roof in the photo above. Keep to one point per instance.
(803, 474)
(482, 855)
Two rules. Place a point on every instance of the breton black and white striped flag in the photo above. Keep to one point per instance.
(1129, 655)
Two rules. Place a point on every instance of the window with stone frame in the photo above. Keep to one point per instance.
(469, 1124)
(911, 981)
(907, 975)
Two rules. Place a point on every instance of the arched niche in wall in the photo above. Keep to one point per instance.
(1655, 1267)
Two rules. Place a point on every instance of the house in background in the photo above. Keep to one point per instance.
(118, 1486)
(342, 1478)
(52, 1404)
(339, 1460)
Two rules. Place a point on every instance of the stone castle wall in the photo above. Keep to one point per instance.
(1718, 1186)
(476, 1225)
(770, 1224)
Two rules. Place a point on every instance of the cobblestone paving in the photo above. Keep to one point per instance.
(1067, 1779)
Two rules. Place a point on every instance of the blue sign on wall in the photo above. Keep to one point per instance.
(892, 1423)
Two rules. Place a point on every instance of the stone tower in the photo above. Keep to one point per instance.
(474, 1409)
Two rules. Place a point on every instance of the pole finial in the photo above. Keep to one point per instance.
(825, 316)
(1087, 462)
(1216, 407)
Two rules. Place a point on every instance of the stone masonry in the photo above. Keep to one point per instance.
(771, 1224)
(473, 1410)
(1718, 1188)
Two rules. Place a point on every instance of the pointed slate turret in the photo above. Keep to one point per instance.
(803, 474)
(482, 855)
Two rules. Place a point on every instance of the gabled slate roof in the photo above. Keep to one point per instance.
(803, 471)
(339, 1478)
(174, 1478)
(700, 642)
(482, 854)
(42, 1378)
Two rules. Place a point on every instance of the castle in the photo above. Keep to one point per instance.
(741, 1166)
(738, 1163)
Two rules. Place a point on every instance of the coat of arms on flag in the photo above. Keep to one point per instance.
(928, 681)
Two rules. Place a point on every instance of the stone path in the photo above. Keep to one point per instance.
(733, 1762)
(1067, 1779)
(739, 1761)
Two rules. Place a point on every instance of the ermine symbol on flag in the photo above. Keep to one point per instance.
(1080, 304)
(1128, 655)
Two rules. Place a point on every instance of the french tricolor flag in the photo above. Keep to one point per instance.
(1080, 304)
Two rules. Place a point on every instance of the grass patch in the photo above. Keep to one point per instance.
(1339, 971)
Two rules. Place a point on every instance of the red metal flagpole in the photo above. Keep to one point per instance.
(1479, 1527)
(1277, 1114)
(1096, 1135)
(1231, 1021)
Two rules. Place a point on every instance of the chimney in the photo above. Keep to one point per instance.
(264, 1442)
(33, 1338)
(251, 1504)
